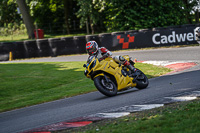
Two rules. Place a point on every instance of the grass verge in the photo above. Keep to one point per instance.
(13, 38)
(181, 117)
(25, 84)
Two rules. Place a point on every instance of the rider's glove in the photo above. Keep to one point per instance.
(105, 55)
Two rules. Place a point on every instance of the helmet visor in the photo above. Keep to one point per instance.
(91, 51)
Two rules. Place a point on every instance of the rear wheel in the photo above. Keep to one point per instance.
(107, 88)
(141, 80)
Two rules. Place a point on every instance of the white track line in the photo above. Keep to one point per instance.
(164, 63)
(110, 115)
(180, 99)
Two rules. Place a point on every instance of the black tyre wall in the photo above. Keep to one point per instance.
(80, 43)
(17, 49)
(116, 45)
(131, 31)
(124, 40)
(106, 40)
(157, 37)
(44, 47)
(31, 49)
(93, 38)
(53, 42)
(4, 52)
(19, 52)
(70, 45)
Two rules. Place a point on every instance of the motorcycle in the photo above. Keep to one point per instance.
(111, 77)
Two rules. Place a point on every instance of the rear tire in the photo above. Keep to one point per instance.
(107, 88)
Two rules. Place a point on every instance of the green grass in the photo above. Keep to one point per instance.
(25, 84)
(175, 118)
(62, 35)
(13, 38)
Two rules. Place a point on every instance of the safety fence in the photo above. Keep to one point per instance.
(156, 37)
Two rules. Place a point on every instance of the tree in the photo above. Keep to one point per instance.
(49, 15)
(27, 18)
(196, 9)
(187, 9)
(68, 9)
(125, 14)
(8, 13)
(191, 8)
(110, 15)
(88, 13)
(197, 16)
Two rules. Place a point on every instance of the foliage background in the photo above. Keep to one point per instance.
(98, 15)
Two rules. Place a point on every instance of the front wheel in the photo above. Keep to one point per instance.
(106, 87)
(141, 80)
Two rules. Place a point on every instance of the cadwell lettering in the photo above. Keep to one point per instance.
(172, 38)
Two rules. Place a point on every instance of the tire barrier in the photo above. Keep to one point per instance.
(131, 31)
(129, 40)
(4, 52)
(31, 49)
(80, 42)
(188, 25)
(70, 47)
(197, 25)
(118, 43)
(93, 38)
(57, 46)
(156, 37)
(145, 30)
(52, 42)
(44, 47)
(173, 36)
(106, 40)
(17, 49)
(159, 28)
(173, 27)
(19, 52)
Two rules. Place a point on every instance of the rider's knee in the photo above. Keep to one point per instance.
(119, 59)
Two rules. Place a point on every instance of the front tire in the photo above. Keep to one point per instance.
(142, 80)
(107, 88)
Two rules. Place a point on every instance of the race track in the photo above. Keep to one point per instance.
(65, 109)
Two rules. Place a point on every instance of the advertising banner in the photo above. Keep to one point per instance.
(165, 37)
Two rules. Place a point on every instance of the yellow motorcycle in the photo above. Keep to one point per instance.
(110, 77)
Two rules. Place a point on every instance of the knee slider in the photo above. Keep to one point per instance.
(121, 58)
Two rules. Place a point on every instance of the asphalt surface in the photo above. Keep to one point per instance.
(91, 103)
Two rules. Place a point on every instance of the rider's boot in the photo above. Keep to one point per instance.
(130, 67)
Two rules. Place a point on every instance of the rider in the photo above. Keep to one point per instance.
(101, 53)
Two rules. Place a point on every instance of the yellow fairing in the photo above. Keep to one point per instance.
(101, 74)
(110, 66)
(126, 57)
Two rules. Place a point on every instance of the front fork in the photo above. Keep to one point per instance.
(102, 74)
(106, 78)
